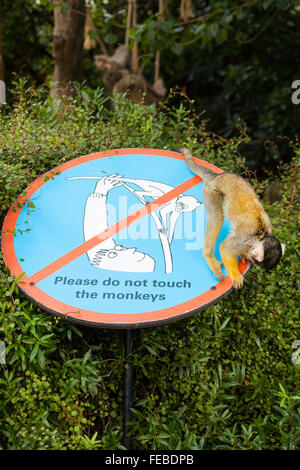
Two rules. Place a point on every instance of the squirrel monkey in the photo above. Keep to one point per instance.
(251, 235)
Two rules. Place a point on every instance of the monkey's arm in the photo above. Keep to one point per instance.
(95, 215)
(215, 216)
(95, 221)
(165, 210)
(230, 250)
(148, 193)
(173, 219)
(149, 188)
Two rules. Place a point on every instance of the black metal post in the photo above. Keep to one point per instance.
(128, 389)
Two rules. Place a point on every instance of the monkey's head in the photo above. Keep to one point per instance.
(186, 204)
(267, 252)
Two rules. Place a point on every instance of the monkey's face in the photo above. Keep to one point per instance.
(267, 252)
(256, 252)
(187, 204)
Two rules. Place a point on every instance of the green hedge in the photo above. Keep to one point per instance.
(222, 379)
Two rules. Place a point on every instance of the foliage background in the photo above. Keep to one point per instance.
(222, 379)
(235, 58)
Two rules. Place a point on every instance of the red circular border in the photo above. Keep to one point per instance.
(98, 319)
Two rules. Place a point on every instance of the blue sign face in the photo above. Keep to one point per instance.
(151, 263)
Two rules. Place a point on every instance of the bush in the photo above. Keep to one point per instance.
(222, 379)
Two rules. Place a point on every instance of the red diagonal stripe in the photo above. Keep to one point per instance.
(112, 230)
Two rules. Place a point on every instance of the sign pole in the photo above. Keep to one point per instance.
(128, 388)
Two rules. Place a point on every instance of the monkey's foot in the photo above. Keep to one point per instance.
(238, 282)
(216, 267)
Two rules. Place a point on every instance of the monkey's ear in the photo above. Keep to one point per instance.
(283, 248)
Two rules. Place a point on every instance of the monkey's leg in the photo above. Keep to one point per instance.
(214, 209)
(229, 253)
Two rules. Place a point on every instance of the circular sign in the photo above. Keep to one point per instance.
(114, 239)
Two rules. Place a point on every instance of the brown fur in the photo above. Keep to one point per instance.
(230, 195)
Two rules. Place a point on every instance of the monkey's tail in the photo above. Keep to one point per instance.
(204, 173)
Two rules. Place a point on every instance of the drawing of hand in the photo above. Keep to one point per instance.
(105, 184)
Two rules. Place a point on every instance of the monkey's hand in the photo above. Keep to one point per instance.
(218, 271)
(231, 265)
(243, 258)
(106, 183)
(238, 282)
(215, 265)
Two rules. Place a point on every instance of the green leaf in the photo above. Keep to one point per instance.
(163, 435)
(111, 38)
(224, 323)
(34, 351)
(151, 350)
(177, 49)
(41, 358)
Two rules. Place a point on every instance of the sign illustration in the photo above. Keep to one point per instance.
(115, 239)
(114, 257)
